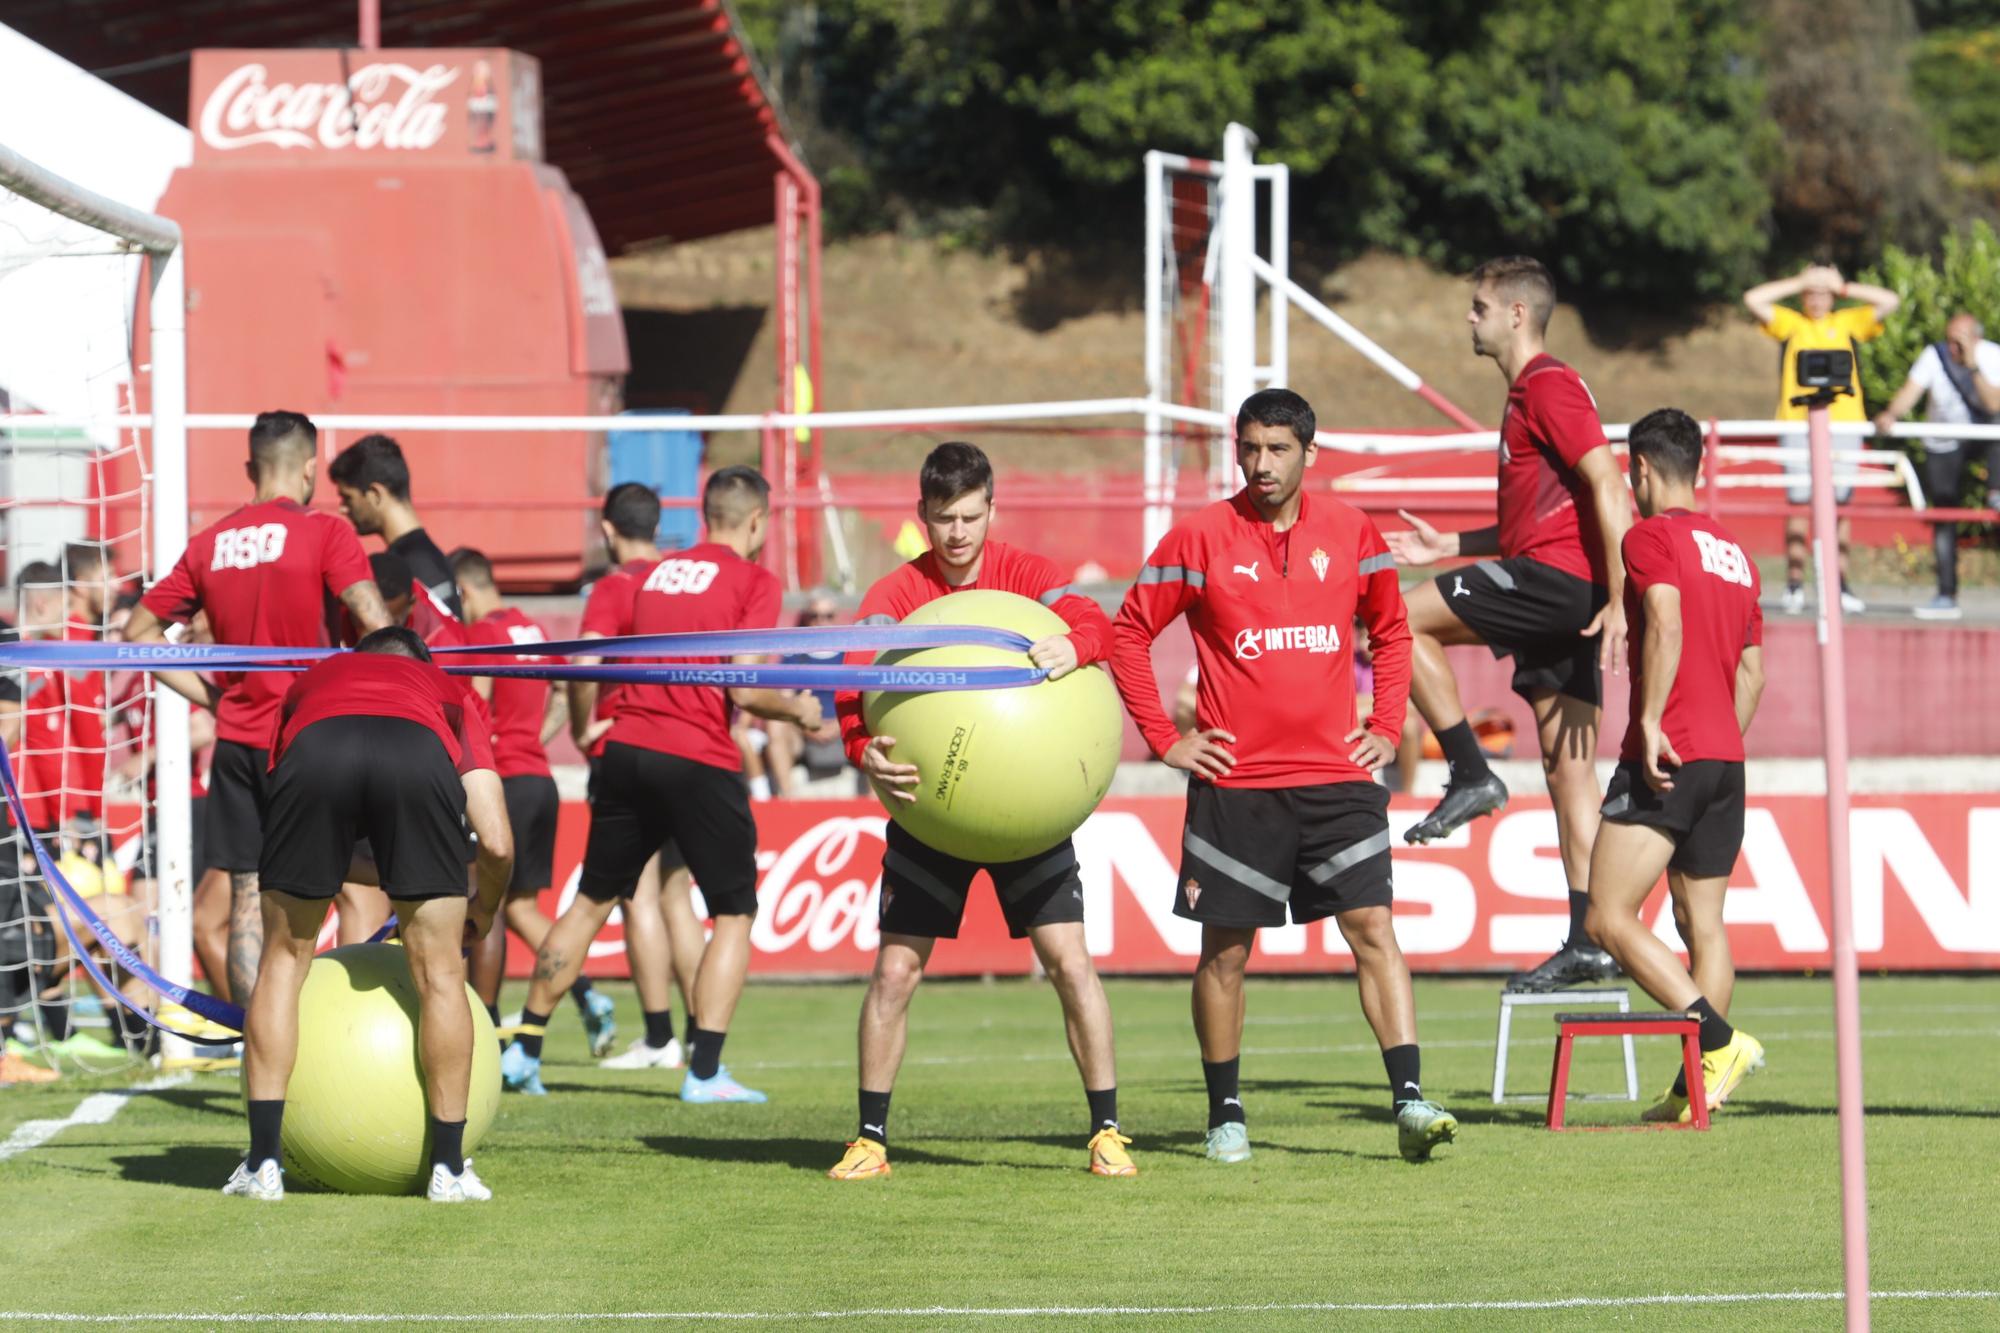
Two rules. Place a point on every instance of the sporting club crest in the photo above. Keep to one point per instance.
(1320, 562)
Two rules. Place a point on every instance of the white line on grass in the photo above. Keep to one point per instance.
(1010, 1312)
(95, 1109)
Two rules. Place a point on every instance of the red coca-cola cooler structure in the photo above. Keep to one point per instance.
(403, 249)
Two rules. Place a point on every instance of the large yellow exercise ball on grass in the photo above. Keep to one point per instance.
(356, 1119)
(1004, 773)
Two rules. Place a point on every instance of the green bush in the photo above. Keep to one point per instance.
(1965, 276)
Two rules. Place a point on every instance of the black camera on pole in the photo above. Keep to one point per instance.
(1826, 374)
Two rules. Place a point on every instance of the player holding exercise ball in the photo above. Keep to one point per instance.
(923, 889)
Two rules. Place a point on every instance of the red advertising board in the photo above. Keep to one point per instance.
(1926, 892)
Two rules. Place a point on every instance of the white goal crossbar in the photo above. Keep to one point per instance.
(159, 239)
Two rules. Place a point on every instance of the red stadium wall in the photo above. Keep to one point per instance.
(1926, 892)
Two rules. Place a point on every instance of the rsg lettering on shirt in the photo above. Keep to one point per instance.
(679, 576)
(249, 547)
(1724, 559)
(1252, 644)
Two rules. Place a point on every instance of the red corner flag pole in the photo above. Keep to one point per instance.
(1846, 986)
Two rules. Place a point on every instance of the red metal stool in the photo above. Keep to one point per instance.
(1686, 1026)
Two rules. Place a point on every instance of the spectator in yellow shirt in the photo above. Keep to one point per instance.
(1816, 326)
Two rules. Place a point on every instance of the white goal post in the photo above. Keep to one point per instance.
(123, 229)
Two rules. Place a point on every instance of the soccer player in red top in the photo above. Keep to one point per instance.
(1547, 594)
(923, 889)
(376, 743)
(1283, 809)
(526, 715)
(266, 575)
(670, 768)
(1675, 804)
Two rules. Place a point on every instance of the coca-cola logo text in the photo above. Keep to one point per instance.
(818, 893)
(388, 106)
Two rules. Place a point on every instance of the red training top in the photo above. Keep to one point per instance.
(263, 575)
(703, 588)
(518, 706)
(1720, 617)
(1002, 568)
(610, 605)
(1273, 618)
(1550, 424)
(382, 685)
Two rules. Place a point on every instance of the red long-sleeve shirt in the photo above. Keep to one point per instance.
(1273, 618)
(1002, 568)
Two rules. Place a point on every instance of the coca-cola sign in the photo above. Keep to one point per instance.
(364, 106)
(1926, 892)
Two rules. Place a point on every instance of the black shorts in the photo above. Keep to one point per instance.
(239, 789)
(1535, 614)
(386, 778)
(924, 890)
(532, 807)
(645, 797)
(27, 915)
(1249, 852)
(1703, 813)
(670, 851)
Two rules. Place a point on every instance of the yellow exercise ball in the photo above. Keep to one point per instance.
(1006, 773)
(356, 1118)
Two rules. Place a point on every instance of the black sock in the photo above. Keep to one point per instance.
(875, 1116)
(706, 1056)
(1103, 1108)
(687, 1028)
(493, 1012)
(1715, 1030)
(659, 1027)
(533, 1027)
(448, 1145)
(1462, 752)
(1224, 1102)
(132, 1029)
(580, 989)
(267, 1124)
(1405, 1068)
(54, 1018)
(1579, 908)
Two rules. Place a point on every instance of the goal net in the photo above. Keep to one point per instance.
(79, 540)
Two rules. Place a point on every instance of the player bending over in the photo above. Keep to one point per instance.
(376, 743)
(671, 770)
(1282, 810)
(1550, 600)
(924, 889)
(1675, 804)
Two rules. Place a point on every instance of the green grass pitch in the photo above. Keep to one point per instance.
(614, 1198)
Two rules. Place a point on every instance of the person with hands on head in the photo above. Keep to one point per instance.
(1675, 804)
(1283, 810)
(1961, 376)
(924, 889)
(1546, 592)
(1816, 326)
(376, 743)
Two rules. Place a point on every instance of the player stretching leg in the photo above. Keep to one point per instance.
(1676, 802)
(376, 743)
(671, 769)
(923, 889)
(1283, 810)
(1550, 600)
